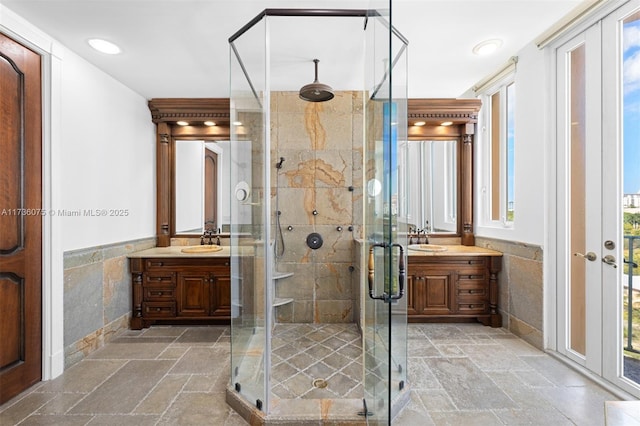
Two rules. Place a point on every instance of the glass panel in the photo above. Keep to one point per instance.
(249, 235)
(631, 199)
(577, 283)
(385, 218)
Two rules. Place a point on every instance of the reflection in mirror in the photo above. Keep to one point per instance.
(199, 176)
(432, 183)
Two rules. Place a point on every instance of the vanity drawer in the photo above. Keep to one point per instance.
(159, 294)
(159, 309)
(471, 274)
(472, 289)
(475, 307)
(159, 279)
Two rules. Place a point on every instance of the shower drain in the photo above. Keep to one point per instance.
(319, 383)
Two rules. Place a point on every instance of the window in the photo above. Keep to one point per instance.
(498, 139)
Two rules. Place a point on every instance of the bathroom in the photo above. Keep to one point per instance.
(95, 253)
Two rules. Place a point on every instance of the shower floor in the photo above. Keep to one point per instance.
(327, 354)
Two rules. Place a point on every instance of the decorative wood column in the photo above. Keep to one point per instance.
(163, 185)
(466, 186)
(495, 267)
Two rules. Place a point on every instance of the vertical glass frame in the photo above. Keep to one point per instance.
(385, 209)
(250, 230)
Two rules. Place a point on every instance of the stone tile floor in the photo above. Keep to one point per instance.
(303, 353)
(460, 374)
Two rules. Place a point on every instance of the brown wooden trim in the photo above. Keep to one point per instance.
(165, 112)
(196, 109)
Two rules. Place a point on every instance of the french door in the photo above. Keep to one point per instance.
(598, 152)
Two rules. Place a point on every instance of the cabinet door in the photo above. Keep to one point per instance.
(193, 293)
(430, 292)
(221, 295)
(438, 293)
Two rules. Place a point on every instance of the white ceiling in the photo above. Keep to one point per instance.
(179, 48)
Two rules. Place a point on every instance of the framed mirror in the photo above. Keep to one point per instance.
(192, 146)
(440, 167)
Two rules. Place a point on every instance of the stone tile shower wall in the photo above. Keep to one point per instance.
(322, 147)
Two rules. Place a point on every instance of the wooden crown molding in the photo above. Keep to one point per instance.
(437, 110)
(194, 109)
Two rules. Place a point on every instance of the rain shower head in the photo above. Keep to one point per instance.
(316, 91)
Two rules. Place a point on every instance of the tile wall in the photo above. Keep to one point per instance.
(97, 296)
(322, 147)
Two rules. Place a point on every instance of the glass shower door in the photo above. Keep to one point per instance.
(250, 231)
(385, 227)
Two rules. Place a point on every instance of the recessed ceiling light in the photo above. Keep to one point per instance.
(487, 47)
(419, 123)
(182, 123)
(237, 123)
(104, 46)
(446, 123)
(209, 123)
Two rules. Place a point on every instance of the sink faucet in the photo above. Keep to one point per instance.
(208, 235)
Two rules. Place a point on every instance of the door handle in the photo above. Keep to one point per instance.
(589, 256)
(401, 273)
(610, 260)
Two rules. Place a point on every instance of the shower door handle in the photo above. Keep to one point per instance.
(372, 268)
(401, 272)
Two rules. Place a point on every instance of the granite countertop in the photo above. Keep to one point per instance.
(176, 251)
(457, 250)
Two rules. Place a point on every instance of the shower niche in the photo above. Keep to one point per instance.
(305, 155)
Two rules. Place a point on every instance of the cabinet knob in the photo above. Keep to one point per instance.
(158, 309)
(470, 306)
(159, 293)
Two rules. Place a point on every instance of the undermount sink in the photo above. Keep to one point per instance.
(201, 249)
(427, 247)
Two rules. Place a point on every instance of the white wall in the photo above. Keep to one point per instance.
(98, 147)
(108, 158)
(531, 88)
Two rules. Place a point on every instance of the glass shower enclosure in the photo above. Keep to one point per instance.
(364, 58)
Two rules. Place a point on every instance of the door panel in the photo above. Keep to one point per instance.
(597, 137)
(620, 157)
(579, 199)
(20, 219)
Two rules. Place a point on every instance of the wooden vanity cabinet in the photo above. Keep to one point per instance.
(453, 288)
(180, 290)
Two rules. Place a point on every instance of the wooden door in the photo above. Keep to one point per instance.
(20, 219)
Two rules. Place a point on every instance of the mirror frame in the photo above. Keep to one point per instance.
(165, 113)
(463, 113)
